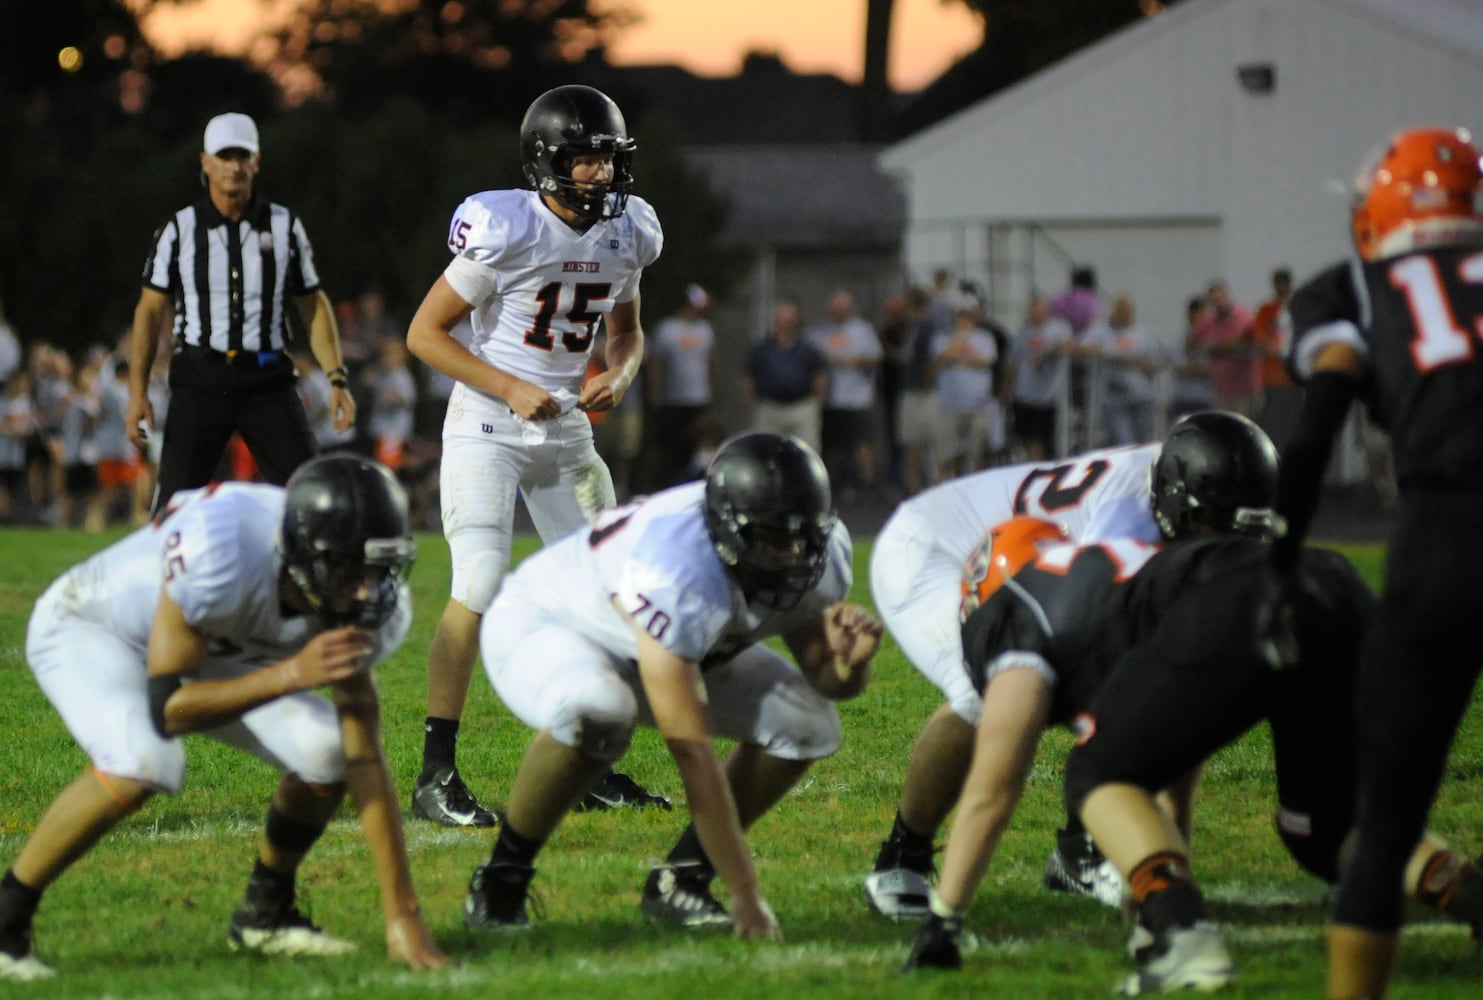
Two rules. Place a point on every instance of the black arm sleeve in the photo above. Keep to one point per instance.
(1306, 457)
(160, 690)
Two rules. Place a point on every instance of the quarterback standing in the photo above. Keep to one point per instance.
(535, 272)
(224, 618)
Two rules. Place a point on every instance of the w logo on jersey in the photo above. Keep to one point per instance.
(487, 428)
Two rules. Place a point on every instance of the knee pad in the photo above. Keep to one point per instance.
(810, 731)
(823, 735)
(597, 721)
(967, 705)
(320, 758)
(477, 576)
(144, 756)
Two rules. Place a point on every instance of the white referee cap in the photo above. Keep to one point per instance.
(231, 131)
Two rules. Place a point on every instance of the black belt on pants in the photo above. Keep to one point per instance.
(238, 359)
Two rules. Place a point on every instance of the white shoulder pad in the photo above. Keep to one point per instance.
(648, 235)
(490, 225)
(214, 552)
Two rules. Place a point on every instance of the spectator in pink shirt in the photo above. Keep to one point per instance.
(1078, 305)
(1224, 331)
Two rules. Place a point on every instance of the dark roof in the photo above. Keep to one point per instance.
(804, 196)
(765, 104)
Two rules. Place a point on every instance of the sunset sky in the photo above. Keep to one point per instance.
(706, 37)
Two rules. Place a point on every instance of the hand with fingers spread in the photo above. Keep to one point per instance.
(329, 657)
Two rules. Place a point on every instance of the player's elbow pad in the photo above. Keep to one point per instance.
(160, 690)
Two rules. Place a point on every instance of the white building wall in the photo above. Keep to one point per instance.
(1150, 132)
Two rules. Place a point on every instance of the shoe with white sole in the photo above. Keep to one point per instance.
(18, 961)
(1075, 866)
(280, 929)
(898, 886)
(681, 894)
(1193, 957)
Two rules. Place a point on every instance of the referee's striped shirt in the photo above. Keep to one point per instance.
(231, 282)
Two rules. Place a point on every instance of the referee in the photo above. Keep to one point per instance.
(227, 266)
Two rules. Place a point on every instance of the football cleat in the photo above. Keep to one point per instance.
(281, 930)
(1075, 866)
(1193, 957)
(936, 946)
(898, 886)
(444, 798)
(681, 894)
(498, 894)
(18, 959)
(614, 790)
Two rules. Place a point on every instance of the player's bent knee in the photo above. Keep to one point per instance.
(597, 720)
(1314, 849)
(967, 706)
(603, 739)
(320, 761)
(807, 735)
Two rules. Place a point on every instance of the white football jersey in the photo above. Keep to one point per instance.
(1096, 495)
(216, 556)
(657, 560)
(539, 288)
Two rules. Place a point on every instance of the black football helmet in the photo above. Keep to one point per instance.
(576, 119)
(1217, 473)
(769, 514)
(344, 539)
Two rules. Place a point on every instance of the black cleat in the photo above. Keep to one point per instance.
(498, 894)
(614, 790)
(444, 798)
(898, 886)
(936, 946)
(681, 894)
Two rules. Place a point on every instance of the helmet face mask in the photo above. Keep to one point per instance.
(563, 123)
(1216, 474)
(1424, 187)
(344, 540)
(769, 514)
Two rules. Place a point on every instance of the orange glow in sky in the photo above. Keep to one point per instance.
(708, 38)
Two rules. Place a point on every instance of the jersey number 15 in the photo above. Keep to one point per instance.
(581, 314)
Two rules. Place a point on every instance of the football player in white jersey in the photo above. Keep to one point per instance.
(535, 272)
(656, 617)
(1145, 493)
(224, 618)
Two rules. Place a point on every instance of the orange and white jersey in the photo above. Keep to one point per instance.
(539, 287)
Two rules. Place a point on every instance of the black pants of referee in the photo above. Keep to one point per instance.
(210, 401)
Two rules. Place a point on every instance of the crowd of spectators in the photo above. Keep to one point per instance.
(65, 457)
(933, 388)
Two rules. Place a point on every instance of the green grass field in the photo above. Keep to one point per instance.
(145, 915)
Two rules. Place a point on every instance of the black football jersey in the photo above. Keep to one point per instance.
(1419, 319)
(1082, 611)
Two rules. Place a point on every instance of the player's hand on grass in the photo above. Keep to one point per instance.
(408, 942)
(752, 919)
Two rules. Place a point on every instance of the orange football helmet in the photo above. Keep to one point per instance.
(1001, 553)
(1423, 188)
